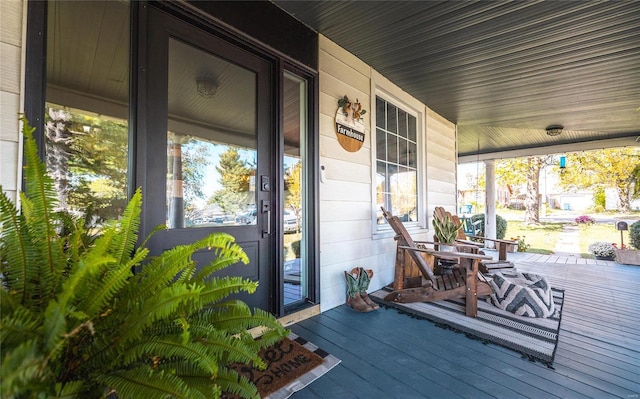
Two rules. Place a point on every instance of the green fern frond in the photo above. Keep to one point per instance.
(22, 368)
(69, 390)
(76, 239)
(196, 379)
(234, 383)
(54, 327)
(230, 316)
(162, 270)
(243, 319)
(227, 252)
(110, 283)
(82, 276)
(205, 386)
(144, 382)
(232, 349)
(166, 303)
(123, 244)
(14, 250)
(221, 287)
(17, 324)
(41, 219)
(194, 353)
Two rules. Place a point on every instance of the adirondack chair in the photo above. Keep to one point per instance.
(479, 242)
(415, 281)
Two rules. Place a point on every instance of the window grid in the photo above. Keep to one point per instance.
(396, 161)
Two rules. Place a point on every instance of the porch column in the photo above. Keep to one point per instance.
(176, 201)
(490, 202)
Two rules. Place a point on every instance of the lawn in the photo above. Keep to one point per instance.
(543, 238)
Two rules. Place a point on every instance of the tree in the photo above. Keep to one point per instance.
(609, 168)
(87, 157)
(531, 203)
(293, 181)
(235, 176)
(525, 171)
(195, 159)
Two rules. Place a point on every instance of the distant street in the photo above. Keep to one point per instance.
(559, 216)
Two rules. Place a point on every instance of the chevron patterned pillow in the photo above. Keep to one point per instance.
(524, 294)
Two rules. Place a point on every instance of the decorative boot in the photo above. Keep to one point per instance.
(364, 279)
(354, 300)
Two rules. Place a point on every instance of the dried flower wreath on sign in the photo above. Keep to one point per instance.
(352, 110)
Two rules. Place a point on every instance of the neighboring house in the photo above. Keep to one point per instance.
(261, 84)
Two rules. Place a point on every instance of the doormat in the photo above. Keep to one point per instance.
(292, 364)
(534, 338)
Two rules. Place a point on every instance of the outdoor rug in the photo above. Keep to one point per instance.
(292, 364)
(534, 338)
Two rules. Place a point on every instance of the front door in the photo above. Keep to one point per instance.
(205, 147)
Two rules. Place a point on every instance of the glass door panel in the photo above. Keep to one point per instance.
(296, 270)
(211, 141)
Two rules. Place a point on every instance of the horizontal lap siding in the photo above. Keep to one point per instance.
(441, 163)
(346, 207)
(345, 237)
(11, 22)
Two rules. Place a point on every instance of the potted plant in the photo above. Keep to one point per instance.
(603, 250)
(77, 322)
(445, 231)
(628, 255)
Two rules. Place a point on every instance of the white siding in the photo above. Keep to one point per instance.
(11, 54)
(347, 238)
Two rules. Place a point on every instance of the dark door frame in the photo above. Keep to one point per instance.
(281, 62)
(292, 46)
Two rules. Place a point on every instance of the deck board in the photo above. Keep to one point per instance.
(386, 354)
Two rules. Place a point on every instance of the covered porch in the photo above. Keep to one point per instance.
(392, 355)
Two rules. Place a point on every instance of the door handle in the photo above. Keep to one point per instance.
(266, 209)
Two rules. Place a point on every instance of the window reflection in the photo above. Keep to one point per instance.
(87, 106)
(209, 184)
(211, 140)
(295, 241)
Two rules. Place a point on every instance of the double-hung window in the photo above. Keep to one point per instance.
(396, 161)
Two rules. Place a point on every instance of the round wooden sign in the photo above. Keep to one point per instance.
(349, 125)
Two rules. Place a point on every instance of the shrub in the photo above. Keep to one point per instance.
(501, 225)
(295, 247)
(634, 234)
(77, 322)
(602, 248)
(585, 219)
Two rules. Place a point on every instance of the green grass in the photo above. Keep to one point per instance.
(543, 238)
(599, 232)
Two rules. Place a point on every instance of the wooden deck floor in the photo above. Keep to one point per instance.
(389, 355)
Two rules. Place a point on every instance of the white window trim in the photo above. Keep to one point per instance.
(381, 87)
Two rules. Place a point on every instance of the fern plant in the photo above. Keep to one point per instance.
(77, 322)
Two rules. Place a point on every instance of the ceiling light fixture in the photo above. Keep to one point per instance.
(206, 87)
(554, 130)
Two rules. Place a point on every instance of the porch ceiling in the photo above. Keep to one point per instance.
(502, 71)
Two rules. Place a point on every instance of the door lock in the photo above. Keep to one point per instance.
(264, 183)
